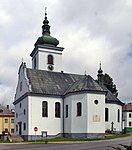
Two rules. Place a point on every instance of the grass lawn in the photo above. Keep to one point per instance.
(62, 139)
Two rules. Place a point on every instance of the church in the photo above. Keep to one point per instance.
(56, 103)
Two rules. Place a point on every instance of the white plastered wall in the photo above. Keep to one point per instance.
(96, 113)
(50, 124)
(113, 117)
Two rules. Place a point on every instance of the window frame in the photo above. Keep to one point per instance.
(50, 59)
(44, 109)
(12, 120)
(79, 109)
(130, 123)
(130, 115)
(57, 109)
(66, 111)
(106, 114)
(24, 126)
(6, 120)
(118, 115)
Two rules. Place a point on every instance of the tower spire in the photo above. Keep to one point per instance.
(100, 74)
(46, 26)
(46, 38)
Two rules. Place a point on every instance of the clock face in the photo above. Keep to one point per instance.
(50, 67)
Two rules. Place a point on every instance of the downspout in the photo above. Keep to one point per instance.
(63, 117)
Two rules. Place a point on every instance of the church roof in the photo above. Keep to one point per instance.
(110, 97)
(85, 84)
(55, 83)
(59, 83)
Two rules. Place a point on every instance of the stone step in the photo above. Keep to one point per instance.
(16, 138)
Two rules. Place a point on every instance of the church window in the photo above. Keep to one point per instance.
(24, 126)
(24, 111)
(66, 111)
(57, 110)
(50, 59)
(79, 109)
(118, 115)
(20, 86)
(20, 105)
(44, 109)
(106, 114)
(35, 63)
(96, 102)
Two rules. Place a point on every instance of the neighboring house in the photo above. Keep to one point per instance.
(58, 103)
(127, 117)
(6, 120)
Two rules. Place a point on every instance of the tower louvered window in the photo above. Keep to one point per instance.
(50, 59)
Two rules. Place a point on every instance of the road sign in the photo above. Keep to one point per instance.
(35, 129)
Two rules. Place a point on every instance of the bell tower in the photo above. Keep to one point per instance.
(47, 55)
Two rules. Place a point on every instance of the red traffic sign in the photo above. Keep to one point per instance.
(35, 129)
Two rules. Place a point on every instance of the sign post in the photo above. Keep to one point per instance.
(35, 129)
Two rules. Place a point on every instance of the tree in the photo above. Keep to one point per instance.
(108, 82)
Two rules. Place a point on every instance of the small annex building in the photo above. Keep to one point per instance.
(59, 103)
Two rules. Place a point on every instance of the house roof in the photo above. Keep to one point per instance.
(58, 83)
(127, 107)
(5, 111)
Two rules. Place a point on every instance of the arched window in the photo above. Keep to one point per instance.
(24, 111)
(66, 111)
(106, 114)
(118, 115)
(50, 59)
(57, 110)
(44, 109)
(79, 109)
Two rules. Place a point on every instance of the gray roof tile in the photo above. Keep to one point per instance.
(57, 83)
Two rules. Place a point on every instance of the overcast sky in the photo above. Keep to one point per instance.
(90, 31)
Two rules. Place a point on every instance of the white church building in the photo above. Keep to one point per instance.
(59, 103)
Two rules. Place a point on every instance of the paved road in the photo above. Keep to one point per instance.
(98, 145)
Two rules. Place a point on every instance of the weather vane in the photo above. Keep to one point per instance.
(45, 10)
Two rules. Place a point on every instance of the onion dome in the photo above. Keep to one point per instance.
(100, 71)
(46, 38)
